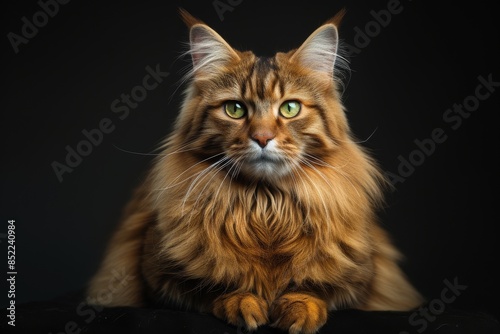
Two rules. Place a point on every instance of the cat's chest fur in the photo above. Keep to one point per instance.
(256, 218)
(247, 233)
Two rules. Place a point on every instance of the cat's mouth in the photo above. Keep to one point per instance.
(265, 157)
(269, 162)
(265, 164)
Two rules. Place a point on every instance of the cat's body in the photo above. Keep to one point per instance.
(261, 207)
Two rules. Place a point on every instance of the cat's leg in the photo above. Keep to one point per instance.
(241, 309)
(299, 312)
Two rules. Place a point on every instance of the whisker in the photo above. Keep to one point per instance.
(323, 163)
(235, 165)
(137, 153)
(200, 177)
(180, 150)
(360, 141)
(217, 170)
(171, 185)
(337, 169)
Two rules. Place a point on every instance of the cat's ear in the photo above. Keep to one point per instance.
(319, 51)
(208, 50)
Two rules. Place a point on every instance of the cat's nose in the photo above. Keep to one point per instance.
(263, 137)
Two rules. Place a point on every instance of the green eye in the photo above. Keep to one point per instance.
(235, 109)
(290, 109)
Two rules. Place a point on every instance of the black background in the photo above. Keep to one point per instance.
(428, 58)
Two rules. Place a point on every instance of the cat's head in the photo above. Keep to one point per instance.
(263, 117)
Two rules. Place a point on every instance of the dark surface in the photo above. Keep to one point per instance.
(428, 58)
(68, 316)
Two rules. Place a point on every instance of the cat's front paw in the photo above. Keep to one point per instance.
(241, 309)
(299, 313)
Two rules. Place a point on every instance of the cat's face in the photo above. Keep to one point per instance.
(263, 118)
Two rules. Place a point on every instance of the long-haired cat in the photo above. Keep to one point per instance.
(261, 207)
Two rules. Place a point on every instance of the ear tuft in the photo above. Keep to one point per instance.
(207, 48)
(188, 19)
(337, 19)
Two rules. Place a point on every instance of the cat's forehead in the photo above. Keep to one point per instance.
(262, 80)
(258, 80)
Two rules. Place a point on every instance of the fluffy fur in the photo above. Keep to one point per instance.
(261, 219)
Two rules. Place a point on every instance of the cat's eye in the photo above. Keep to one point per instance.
(235, 109)
(290, 109)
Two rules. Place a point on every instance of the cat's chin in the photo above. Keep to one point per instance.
(265, 169)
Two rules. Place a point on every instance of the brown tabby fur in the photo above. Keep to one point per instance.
(257, 246)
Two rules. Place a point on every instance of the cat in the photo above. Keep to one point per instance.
(261, 207)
